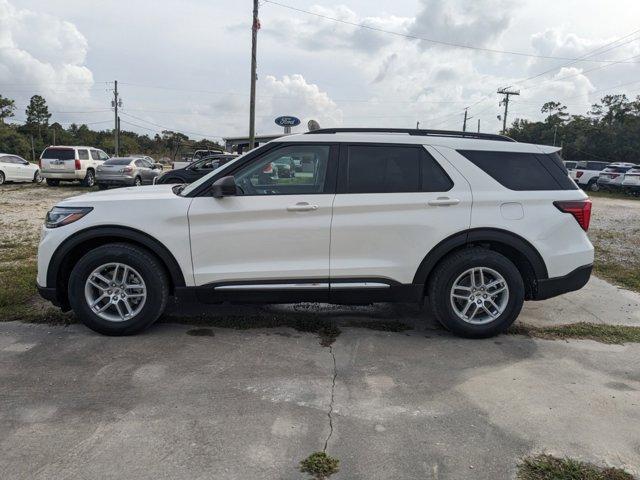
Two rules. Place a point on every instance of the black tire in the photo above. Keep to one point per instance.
(441, 283)
(2, 177)
(102, 186)
(53, 183)
(149, 268)
(593, 186)
(137, 182)
(89, 179)
(37, 177)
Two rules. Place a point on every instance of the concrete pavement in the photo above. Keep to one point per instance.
(196, 402)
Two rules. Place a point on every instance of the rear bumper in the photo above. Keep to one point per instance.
(56, 175)
(552, 287)
(128, 181)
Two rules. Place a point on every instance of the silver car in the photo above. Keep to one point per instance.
(127, 171)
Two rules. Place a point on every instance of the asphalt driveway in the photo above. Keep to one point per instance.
(196, 402)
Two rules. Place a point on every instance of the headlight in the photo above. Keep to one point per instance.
(60, 216)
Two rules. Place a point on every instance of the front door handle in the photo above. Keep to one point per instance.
(302, 207)
(444, 202)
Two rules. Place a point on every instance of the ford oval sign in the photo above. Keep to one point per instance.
(287, 121)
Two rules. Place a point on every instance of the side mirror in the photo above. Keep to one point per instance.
(224, 187)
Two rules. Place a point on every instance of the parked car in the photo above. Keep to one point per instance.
(631, 182)
(189, 157)
(570, 164)
(126, 171)
(64, 163)
(195, 170)
(585, 174)
(476, 223)
(16, 169)
(158, 165)
(611, 178)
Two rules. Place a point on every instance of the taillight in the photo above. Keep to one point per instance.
(579, 173)
(580, 209)
(78, 166)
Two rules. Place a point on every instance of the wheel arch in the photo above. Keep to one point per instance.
(74, 247)
(524, 255)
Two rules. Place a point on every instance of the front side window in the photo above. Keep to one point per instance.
(95, 155)
(83, 154)
(103, 156)
(392, 168)
(275, 173)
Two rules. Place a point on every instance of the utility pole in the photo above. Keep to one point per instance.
(115, 103)
(33, 150)
(506, 92)
(464, 124)
(478, 125)
(417, 125)
(252, 101)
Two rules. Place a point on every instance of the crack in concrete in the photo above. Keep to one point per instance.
(333, 389)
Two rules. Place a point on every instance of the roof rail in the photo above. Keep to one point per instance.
(417, 132)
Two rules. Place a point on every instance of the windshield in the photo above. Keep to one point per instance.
(193, 186)
(118, 161)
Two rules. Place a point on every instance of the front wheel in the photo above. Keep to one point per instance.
(118, 289)
(1, 178)
(37, 178)
(476, 293)
(137, 182)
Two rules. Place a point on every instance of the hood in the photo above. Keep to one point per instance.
(151, 192)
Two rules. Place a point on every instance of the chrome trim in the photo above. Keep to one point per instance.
(348, 285)
(275, 286)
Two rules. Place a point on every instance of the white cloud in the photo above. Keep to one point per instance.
(42, 52)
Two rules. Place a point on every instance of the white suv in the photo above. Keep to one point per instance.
(70, 164)
(477, 223)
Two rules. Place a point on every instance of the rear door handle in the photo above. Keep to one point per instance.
(302, 207)
(444, 202)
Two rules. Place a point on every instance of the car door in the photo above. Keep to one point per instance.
(393, 205)
(9, 167)
(273, 235)
(25, 173)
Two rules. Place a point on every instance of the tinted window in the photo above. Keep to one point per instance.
(59, 153)
(596, 165)
(83, 154)
(95, 155)
(388, 168)
(118, 161)
(273, 173)
(140, 163)
(523, 171)
(9, 159)
(617, 169)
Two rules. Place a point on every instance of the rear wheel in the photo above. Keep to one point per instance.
(1, 178)
(89, 179)
(593, 186)
(118, 289)
(476, 293)
(53, 183)
(137, 182)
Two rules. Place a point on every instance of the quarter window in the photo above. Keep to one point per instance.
(95, 155)
(83, 154)
(389, 168)
(295, 169)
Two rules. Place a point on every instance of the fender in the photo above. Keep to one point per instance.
(116, 233)
(479, 235)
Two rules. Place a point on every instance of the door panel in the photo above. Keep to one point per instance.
(387, 235)
(274, 229)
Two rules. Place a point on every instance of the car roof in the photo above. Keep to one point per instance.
(72, 146)
(456, 143)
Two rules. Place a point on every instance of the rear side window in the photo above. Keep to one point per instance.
(83, 154)
(596, 165)
(522, 171)
(59, 153)
(389, 168)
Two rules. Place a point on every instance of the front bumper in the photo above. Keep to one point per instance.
(51, 294)
(552, 287)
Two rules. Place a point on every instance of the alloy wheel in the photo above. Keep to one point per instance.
(479, 295)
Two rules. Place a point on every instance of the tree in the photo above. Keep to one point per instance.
(37, 114)
(7, 106)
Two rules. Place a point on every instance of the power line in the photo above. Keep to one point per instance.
(431, 40)
(168, 128)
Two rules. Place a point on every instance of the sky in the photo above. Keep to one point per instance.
(185, 65)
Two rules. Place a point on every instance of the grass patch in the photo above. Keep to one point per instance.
(611, 334)
(320, 465)
(547, 467)
(627, 276)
